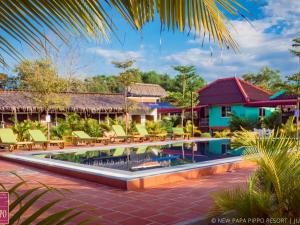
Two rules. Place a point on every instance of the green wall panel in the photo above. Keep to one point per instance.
(216, 119)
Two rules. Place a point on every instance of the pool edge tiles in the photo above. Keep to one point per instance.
(124, 179)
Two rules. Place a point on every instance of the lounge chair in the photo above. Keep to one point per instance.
(121, 135)
(179, 132)
(82, 137)
(144, 133)
(37, 137)
(8, 139)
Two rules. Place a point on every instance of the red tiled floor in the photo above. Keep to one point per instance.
(165, 204)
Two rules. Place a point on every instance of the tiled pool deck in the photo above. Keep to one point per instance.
(164, 204)
(138, 180)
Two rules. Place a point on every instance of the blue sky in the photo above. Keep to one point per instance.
(264, 42)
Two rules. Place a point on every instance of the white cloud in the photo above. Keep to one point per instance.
(116, 55)
(264, 42)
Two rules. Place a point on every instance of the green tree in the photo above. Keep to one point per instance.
(185, 74)
(3, 80)
(97, 84)
(164, 80)
(95, 19)
(296, 90)
(295, 45)
(127, 77)
(41, 79)
(266, 78)
(186, 83)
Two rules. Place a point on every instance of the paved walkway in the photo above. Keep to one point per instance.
(167, 204)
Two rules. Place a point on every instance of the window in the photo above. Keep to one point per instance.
(262, 112)
(226, 111)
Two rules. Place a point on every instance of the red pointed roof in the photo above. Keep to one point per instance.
(231, 90)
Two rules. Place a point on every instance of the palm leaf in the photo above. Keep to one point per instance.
(42, 210)
(24, 202)
(274, 188)
(24, 21)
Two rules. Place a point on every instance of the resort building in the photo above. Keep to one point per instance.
(150, 96)
(286, 102)
(223, 97)
(19, 105)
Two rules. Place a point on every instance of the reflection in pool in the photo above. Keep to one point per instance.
(147, 157)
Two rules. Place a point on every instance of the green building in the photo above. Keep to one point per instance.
(227, 96)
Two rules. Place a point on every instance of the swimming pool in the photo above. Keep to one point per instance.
(138, 165)
(146, 157)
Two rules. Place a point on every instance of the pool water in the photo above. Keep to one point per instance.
(147, 157)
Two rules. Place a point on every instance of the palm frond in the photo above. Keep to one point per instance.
(24, 21)
(23, 209)
(277, 157)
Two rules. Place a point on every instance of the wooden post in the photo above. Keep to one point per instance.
(107, 120)
(182, 117)
(192, 113)
(99, 117)
(2, 120)
(56, 123)
(16, 117)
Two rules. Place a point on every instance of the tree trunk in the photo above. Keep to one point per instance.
(182, 117)
(126, 110)
(192, 113)
(48, 125)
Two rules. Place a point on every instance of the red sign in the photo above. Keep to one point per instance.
(4, 208)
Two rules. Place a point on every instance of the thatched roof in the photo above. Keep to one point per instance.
(78, 102)
(146, 90)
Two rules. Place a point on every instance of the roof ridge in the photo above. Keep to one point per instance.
(256, 87)
(149, 84)
(244, 93)
(215, 81)
(63, 92)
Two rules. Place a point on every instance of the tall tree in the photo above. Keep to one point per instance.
(3, 80)
(127, 77)
(266, 78)
(296, 45)
(185, 74)
(40, 77)
(296, 52)
(24, 21)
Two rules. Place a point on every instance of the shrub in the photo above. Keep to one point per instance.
(272, 121)
(273, 189)
(167, 123)
(104, 126)
(155, 127)
(92, 127)
(237, 123)
(21, 128)
(74, 122)
(189, 128)
(289, 128)
(222, 134)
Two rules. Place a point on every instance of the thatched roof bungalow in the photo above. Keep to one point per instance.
(21, 101)
(22, 105)
(146, 90)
